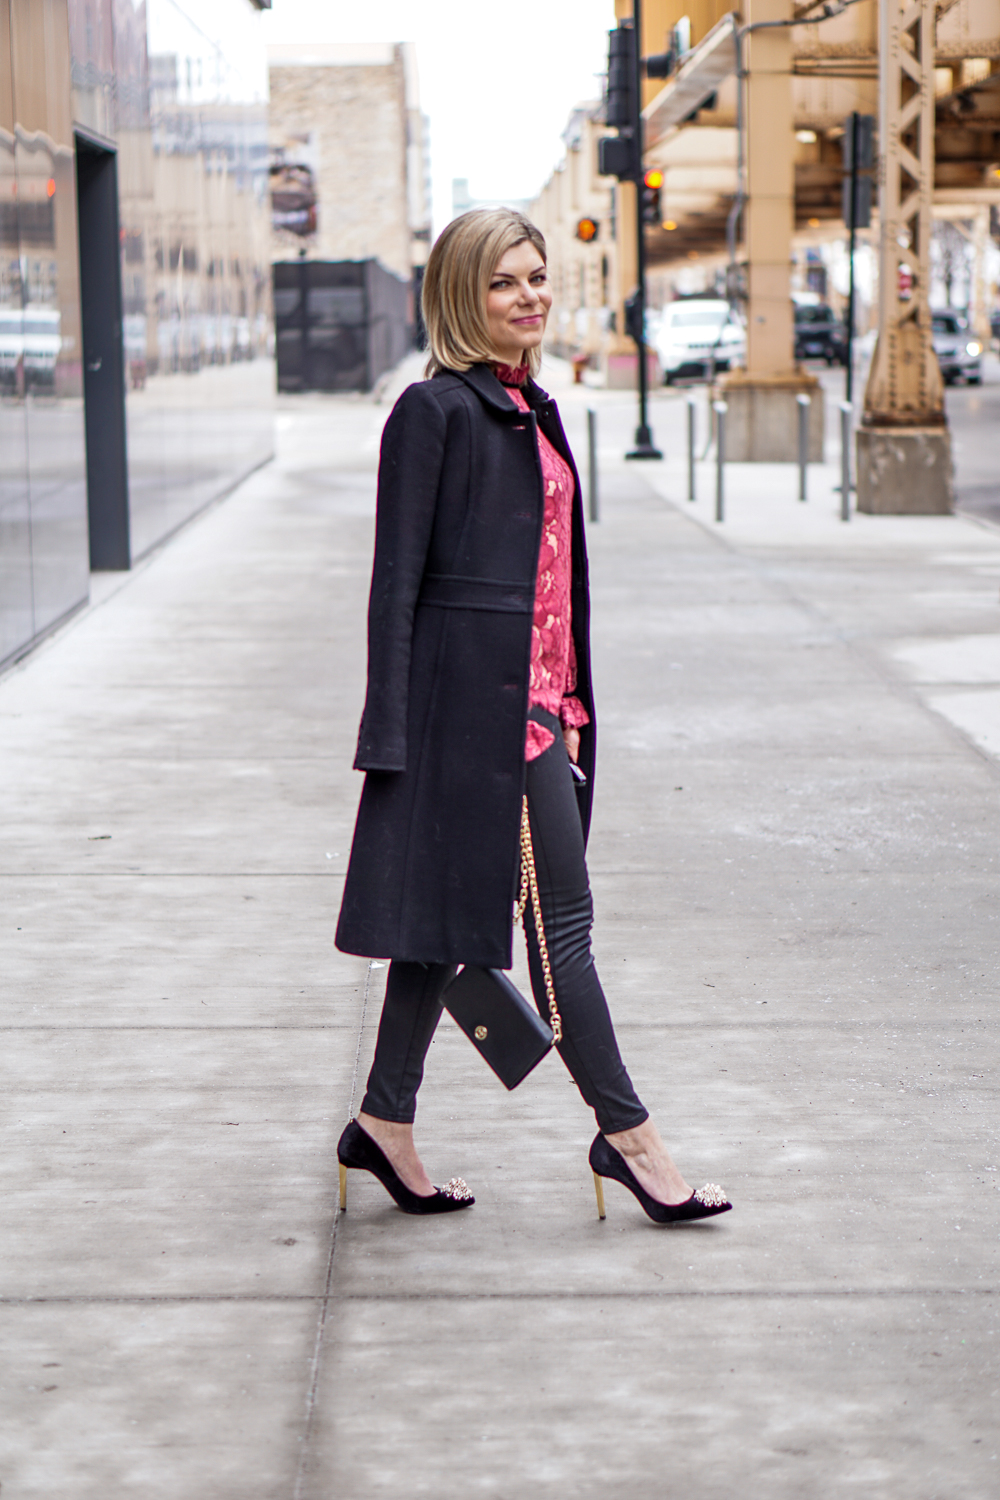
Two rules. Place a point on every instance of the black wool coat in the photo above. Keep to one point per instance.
(434, 860)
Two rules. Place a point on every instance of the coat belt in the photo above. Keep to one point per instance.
(497, 595)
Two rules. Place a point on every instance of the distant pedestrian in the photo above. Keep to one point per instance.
(479, 691)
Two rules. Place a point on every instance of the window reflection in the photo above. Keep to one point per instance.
(177, 91)
(191, 133)
(16, 621)
(43, 523)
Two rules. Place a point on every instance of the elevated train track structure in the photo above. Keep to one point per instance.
(835, 69)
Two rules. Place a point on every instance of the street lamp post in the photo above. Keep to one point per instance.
(644, 445)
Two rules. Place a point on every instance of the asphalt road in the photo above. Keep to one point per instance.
(974, 417)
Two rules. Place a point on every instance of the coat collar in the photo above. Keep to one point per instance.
(488, 388)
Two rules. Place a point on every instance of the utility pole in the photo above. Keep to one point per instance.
(644, 445)
(621, 156)
(904, 447)
(859, 157)
(852, 251)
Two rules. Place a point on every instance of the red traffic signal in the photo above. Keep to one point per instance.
(586, 230)
(652, 182)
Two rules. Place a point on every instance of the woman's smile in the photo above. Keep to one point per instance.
(518, 302)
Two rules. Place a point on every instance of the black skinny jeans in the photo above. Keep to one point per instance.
(589, 1049)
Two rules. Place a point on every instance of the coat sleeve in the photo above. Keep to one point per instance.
(409, 472)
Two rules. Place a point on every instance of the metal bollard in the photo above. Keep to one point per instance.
(592, 500)
(846, 411)
(691, 442)
(804, 404)
(720, 408)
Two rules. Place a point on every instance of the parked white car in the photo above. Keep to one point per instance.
(960, 355)
(42, 343)
(29, 339)
(696, 333)
(11, 344)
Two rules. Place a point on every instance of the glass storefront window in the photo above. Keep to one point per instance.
(43, 517)
(171, 96)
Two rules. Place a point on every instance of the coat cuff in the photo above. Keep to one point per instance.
(371, 756)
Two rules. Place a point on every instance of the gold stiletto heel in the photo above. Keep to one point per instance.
(357, 1149)
(703, 1203)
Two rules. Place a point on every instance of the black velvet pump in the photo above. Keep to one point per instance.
(357, 1149)
(703, 1203)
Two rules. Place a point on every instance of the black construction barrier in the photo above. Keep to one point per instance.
(339, 324)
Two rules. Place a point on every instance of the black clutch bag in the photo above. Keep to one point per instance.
(505, 1029)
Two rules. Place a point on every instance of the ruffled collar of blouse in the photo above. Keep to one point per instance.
(511, 374)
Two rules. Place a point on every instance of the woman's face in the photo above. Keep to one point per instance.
(518, 302)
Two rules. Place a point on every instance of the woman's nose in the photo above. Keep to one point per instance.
(529, 293)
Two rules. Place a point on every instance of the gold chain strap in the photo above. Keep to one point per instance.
(529, 881)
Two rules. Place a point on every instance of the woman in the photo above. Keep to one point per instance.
(479, 691)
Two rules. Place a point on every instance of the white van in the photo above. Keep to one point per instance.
(42, 343)
(697, 332)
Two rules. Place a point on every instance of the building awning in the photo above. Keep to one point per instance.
(699, 76)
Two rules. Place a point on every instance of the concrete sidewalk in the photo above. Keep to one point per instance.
(794, 861)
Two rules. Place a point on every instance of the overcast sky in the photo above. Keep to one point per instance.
(498, 78)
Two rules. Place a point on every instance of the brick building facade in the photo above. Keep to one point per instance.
(347, 116)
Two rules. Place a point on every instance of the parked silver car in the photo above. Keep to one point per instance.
(696, 335)
(960, 355)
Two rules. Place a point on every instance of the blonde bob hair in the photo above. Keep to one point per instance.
(457, 281)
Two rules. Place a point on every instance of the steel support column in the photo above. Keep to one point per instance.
(904, 457)
(981, 299)
(770, 203)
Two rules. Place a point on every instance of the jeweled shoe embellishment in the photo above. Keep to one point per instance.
(457, 1188)
(711, 1195)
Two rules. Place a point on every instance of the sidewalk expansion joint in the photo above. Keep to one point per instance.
(179, 1299)
(324, 1302)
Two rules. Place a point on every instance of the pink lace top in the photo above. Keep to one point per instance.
(552, 676)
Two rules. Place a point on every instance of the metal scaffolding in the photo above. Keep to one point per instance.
(904, 386)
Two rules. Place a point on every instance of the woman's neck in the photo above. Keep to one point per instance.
(515, 374)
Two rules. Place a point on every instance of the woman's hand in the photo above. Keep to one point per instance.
(571, 738)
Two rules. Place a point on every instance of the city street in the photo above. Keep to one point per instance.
(794, 859)
(974, 417)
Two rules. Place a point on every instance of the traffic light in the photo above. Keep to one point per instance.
(856, 202)
(621, 98)
(633, 318)
(661, 65)
(652, 182)
(863, 127)
(618, 156)
(586, 230)
(858, 155)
